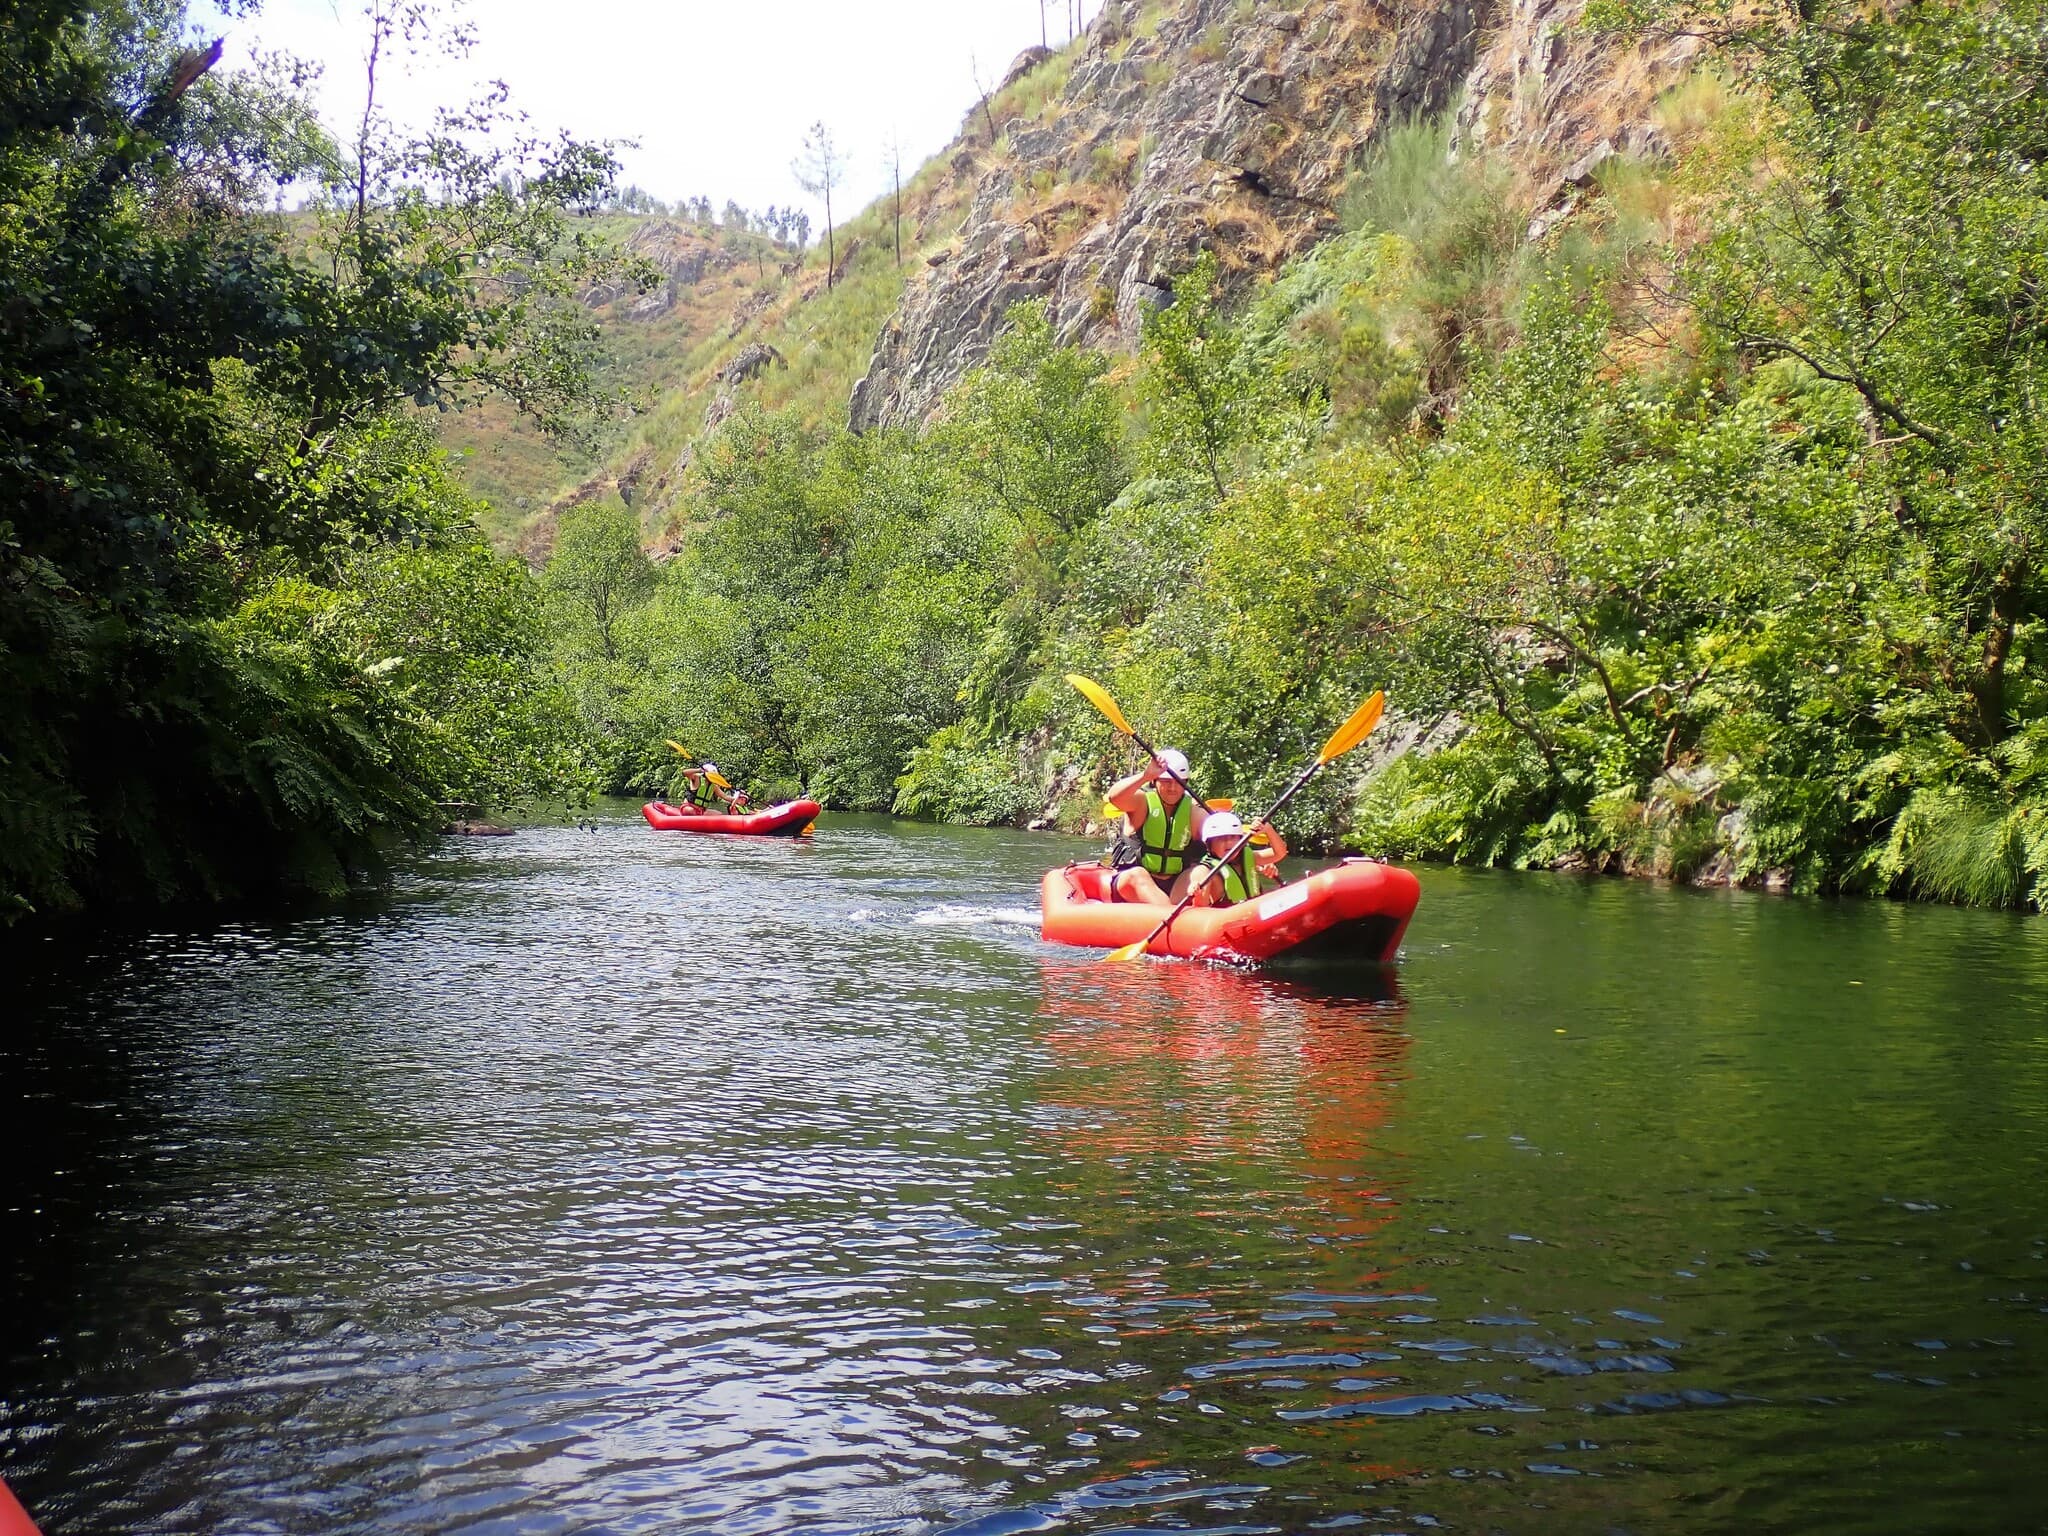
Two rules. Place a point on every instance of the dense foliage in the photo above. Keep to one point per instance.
(249, 635)
(1700, 537)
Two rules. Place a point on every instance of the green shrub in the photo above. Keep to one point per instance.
(951, 778)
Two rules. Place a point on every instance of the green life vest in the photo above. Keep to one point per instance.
(1165, 838)
(702, 793)
(1240, 878)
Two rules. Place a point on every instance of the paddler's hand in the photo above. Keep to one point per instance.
(1274, 848)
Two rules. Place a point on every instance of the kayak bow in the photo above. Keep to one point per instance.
(14, 1520)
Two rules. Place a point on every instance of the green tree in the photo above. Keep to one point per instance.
(1037, 432)
(598, 574)
(1206, 392)
(1887, 226)
(203, 427)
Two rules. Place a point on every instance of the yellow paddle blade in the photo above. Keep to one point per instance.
(1354, 730)
(721, 781)
(1110, 812)
(1098, 695)
(678, 746)
(1128, 952)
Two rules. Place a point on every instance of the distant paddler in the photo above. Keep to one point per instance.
(705, 787)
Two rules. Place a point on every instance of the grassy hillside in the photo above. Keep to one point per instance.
(671, 363)
(648, 343)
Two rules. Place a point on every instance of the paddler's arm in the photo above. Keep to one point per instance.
(1128, 795)
(1269, 857)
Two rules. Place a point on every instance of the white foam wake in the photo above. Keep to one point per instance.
(951, 916)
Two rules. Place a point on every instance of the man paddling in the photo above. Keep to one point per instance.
(1217, 879)
(699, 789)
(1165, 822)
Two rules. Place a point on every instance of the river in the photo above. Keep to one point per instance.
(606, 1181)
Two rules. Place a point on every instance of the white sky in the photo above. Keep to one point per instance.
(716, 94)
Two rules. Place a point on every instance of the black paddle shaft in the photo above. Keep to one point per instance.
(1237, 847)
(1153, 752)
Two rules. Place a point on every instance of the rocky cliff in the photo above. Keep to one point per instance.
(1210, 124)
(1088, 178)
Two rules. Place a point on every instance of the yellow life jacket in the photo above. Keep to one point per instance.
(1166, 838)
(1240, 876)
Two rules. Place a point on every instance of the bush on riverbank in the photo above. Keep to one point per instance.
(1703, 537)
(249, 635)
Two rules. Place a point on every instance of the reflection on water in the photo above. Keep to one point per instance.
(608, 1182)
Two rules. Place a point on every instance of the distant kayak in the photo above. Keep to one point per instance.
(787, 820)
(1356, 912)
(14, 1520)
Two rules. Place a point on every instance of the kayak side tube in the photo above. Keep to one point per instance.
(1356, 913)
(14, 1520)
(790, 819)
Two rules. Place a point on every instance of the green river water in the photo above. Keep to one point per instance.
(601, 1180)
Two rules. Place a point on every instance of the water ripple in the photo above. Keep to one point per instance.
(606, 1182)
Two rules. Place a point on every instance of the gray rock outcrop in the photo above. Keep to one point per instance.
(754, 358)
(684, 255)
(1235, 132)
(1238, 133)
(1023, 64)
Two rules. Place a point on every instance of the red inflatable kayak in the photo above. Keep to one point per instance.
(787, 820)
(14, 1520)
(1357, 911)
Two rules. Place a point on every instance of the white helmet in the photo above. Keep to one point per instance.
(711, 767)
(1222, 824)
(1174, 762)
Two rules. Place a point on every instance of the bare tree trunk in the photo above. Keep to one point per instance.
(2008, 608)
(987, 117)
(380, 23)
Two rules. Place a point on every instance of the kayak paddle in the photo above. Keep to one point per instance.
(1347, 736)
(1099, 696)
(714, 775)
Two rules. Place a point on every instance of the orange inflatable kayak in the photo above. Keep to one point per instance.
(786, 820)
(1356, 912)
(14, 1520)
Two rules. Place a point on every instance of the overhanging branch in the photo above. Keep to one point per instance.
(1872, 396)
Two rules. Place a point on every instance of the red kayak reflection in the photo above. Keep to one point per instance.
(1196, 1063)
